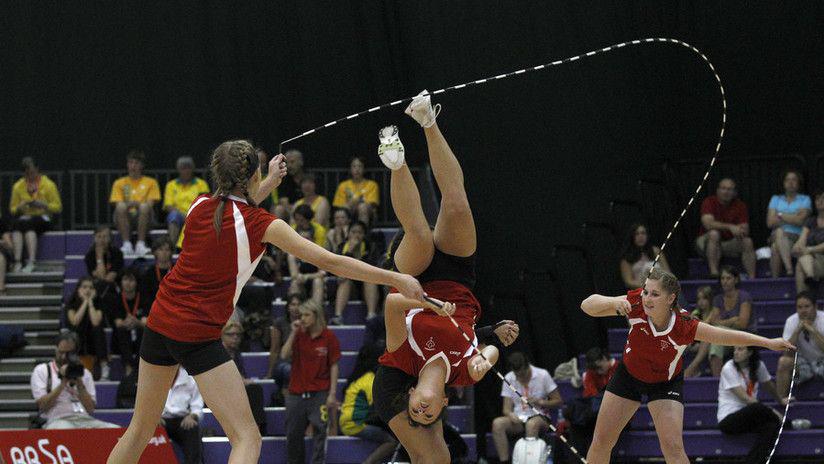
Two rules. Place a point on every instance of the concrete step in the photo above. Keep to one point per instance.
(15, 392)
(35, 277)
(14, 420)
(41, 337)
(16, 313)
(18, 405)
(15, 377)
(20, 364)
(36, 324)
(34, 288)
(37, 351)
(31, 300)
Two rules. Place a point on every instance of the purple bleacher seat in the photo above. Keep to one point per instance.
(698, 416)
(256, 364)
(353, 314)
(715, 443)
(760, 289)
(52, 246)
(698, 268)
(350, 337)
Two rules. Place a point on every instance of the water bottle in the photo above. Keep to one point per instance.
(549, 459)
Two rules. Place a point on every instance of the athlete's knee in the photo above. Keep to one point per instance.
(672, 445)
(248, 435)
(455, 203)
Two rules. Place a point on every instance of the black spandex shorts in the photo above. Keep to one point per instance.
(389, 384)
(449, 267)
(196, 358)
(626, 386)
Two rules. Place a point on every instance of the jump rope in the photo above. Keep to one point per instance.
(669, 235)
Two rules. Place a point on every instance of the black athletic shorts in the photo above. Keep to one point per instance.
(626, 386)
(196, 358)
(389, 384)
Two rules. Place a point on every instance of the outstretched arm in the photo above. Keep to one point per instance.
(605, 306)
(478, 366)
(721, 336)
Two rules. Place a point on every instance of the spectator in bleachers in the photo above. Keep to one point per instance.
(707, 313)
(289, 192)
(133, 197)
(182, 414)
(152, 276)
(6, 253)
(725, 229)
(34, 200)
(809, 249)
(127, 317)
(104, 262)
(84, 314)
(786, 215)
(279, 367)
(358, 194)
(179, 195)
(734, 312)
(638, 256)
(805, 330)
(318, 203)
(356, 246)
(518, 419)
(64, 390)
(303, 222)
(231, 336)
(357, 415)
(305, 274)
(315, 352)
(341, 220)
(599, 369)
(739, 410)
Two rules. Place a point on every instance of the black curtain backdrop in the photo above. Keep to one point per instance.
(83, 82)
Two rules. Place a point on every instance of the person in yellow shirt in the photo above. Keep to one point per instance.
(179, 195)
(307, 279)
(359, 195)
(34, 200)
(319, 204)
(133, 197)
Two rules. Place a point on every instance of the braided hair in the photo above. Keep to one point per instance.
(233, 164)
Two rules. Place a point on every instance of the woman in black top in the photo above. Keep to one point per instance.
(84, 315)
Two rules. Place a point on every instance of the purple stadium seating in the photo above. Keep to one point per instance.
(760, 289)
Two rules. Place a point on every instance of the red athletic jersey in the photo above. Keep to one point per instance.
(430, 336)
(198, 295)
(312, 359)
(595, 383)
(652, 356)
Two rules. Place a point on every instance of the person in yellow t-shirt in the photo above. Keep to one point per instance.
(179, 195)
(133, 197)
(34, 200)
(359, 195)
(307, 279)
(319, 204)
(357, 418)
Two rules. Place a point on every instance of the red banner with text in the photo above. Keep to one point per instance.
(75, 446)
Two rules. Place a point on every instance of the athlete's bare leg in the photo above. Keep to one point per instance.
(153, 384)
(425, 445)
(222, 389)
(613, 416)
(417, 246)
(668, 417)
(455, 228)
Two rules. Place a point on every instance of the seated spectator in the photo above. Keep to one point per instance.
(6, 253)
(638, 256)
(357, 415)
(182, 414)
(34, 201)
(599, 369)
(133, 197)
(318, 203)
(280, 367)
(127, 318)
(705, 312)
(315, 352)
(231, 336)
(151, 277)
(809, 249)
(64, 390)
(341, 220)
(179, 195)
(725, 229)
(104, 262)
(518, 419)
(805, 330)
(303, 218)
(356, 247)
(739, 410)
(359, 195)
(734, 312)
(289, 192)
(786, 215)
(307, 279)
(84, 314)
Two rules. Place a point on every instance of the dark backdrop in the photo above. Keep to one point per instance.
(82, 82)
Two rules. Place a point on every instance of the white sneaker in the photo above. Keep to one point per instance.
(105, 371)
(391, 149)
(127, 248)
(28, 268)
(16, 267)
(141, 249)
(421, 110)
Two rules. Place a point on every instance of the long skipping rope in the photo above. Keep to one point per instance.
(546, 66)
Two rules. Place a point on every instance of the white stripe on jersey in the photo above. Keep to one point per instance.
(680, 349)
(197, 202)
(245, 265)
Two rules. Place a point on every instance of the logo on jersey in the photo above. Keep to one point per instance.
(664, 344)
(430, 345)
(644, 329)
(456, 353)
(321, 351)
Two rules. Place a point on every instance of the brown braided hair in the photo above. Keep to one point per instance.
(233, 163)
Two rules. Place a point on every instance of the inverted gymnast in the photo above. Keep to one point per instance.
(424, 351)
(659, 333)
(225, 239)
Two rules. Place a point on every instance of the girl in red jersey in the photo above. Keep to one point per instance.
(652, 362)
(424, 351)
(225, 239)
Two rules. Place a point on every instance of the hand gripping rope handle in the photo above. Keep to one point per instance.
(506, 382)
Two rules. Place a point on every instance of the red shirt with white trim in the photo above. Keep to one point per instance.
(312, 360)
(199, 294)
(652, 356)
(430, 336)
(595, 383)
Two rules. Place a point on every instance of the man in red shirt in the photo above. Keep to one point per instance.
(600, 368)
(725, 229)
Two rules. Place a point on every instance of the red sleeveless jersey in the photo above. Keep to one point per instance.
(652, 356)
(430, 336)
(199, 294)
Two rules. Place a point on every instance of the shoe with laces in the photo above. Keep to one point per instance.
(422, 111)
(127, 248)
(391, 149)
(140, 249)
